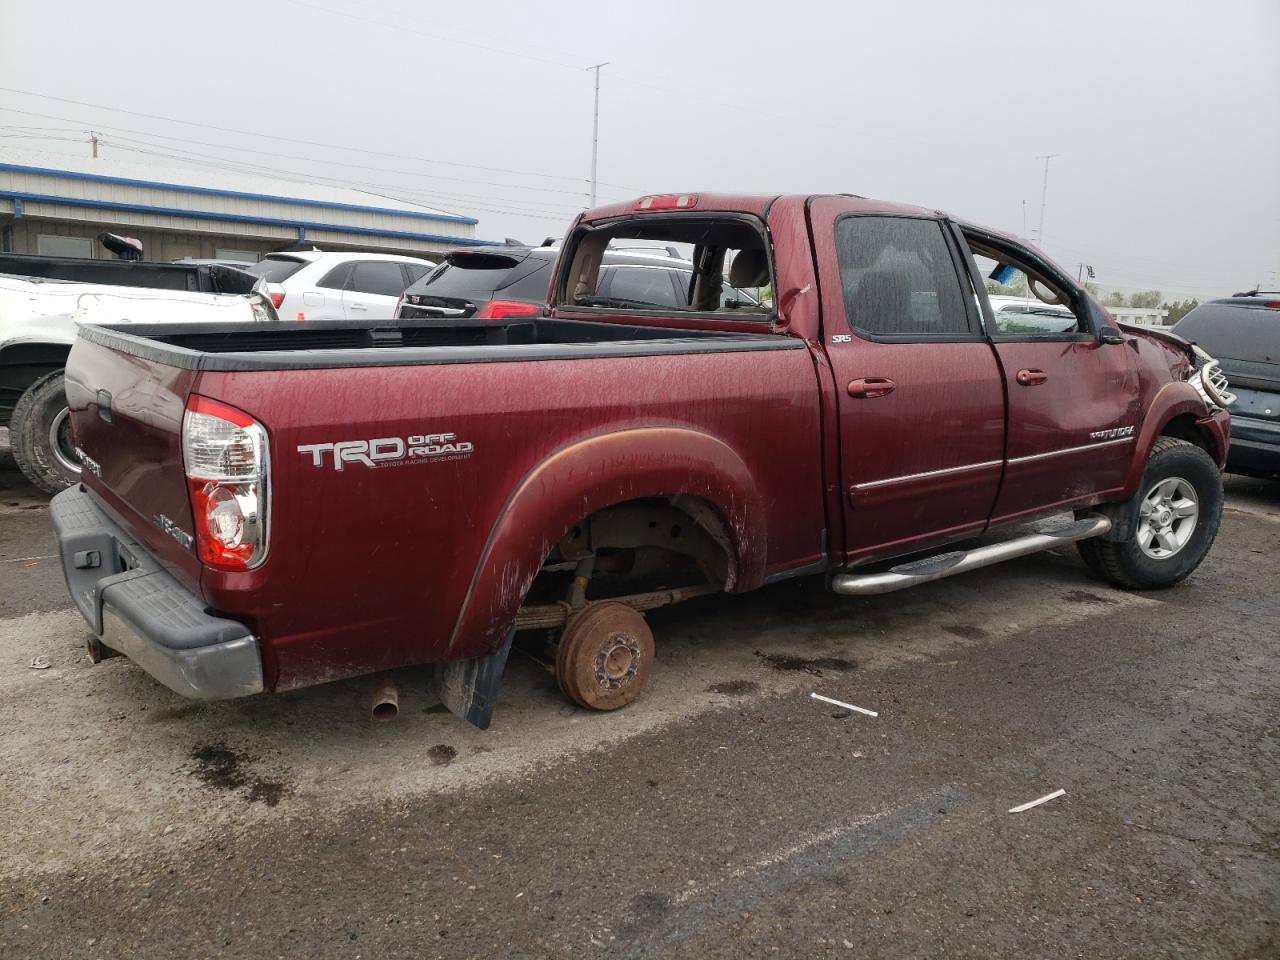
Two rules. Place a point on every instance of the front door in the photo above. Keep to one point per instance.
(921, 403)
(1073, 399)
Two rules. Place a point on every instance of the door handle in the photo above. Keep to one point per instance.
(1029, 378)
(867, 388)
(358, 306)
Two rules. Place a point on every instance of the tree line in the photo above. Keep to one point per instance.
(1152, 300)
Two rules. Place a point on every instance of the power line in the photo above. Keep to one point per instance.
(471, 200)
(236, 167)
(260, 135)
(353, 166)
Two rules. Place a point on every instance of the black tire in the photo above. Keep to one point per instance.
(1125, 563)
(40, 407)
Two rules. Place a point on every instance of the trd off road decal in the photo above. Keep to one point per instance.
(389, 451)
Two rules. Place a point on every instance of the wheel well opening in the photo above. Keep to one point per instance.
(1184, 427)
(21, 365)
(649, 543)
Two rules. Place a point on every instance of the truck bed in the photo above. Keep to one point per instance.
(291, 346)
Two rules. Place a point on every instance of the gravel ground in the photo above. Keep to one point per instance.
(723, 814)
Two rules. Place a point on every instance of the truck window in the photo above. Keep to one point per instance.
(899, 278)
(725, 249)
(1023, 303)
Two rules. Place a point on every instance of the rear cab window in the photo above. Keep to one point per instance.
(725, 252)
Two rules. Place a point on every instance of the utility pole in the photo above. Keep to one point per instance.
(1044, 191)
(93, 141)
(595, 130)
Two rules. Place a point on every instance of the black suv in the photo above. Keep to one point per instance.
(1242, 332)
(496, 282)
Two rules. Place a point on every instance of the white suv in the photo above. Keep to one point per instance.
(314, 285)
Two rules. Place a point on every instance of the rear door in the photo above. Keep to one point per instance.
(373, 289)
(921, 404)
(1073, 400)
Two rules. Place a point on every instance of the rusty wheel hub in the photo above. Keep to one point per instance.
(617, 661)
(605, 656)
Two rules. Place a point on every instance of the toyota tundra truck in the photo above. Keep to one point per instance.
(263, 509)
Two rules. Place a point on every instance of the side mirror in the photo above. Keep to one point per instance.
(1110, 335)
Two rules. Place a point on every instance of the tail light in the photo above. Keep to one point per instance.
(225, 454)
(276, 293)
(503, 309)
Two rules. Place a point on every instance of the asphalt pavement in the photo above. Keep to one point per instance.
(724, 814)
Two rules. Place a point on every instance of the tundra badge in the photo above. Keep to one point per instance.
(1112, 434)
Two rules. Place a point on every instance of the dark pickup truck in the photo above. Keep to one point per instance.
(261, 510)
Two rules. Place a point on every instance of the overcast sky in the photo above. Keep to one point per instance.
(1165, 115)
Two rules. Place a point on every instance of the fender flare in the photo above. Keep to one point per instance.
(587, 475)
(1172, 400)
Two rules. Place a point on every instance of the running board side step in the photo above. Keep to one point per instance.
(961, 561)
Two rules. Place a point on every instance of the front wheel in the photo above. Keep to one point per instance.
(40, 435)
(1172, 521)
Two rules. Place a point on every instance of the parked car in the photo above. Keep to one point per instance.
(498, 282)
(317, 285)
(404, 493)
(39, 311)
(1028, 315)
(1243, 333)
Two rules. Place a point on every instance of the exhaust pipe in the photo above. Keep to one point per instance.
(386, 698)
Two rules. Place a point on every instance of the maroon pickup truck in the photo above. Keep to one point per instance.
(264, 508)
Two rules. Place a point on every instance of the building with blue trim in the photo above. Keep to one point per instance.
(57, 205)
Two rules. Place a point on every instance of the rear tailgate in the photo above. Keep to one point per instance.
(126, 415)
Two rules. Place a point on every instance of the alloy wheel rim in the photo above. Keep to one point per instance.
(1167, 518)
(60, 441)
